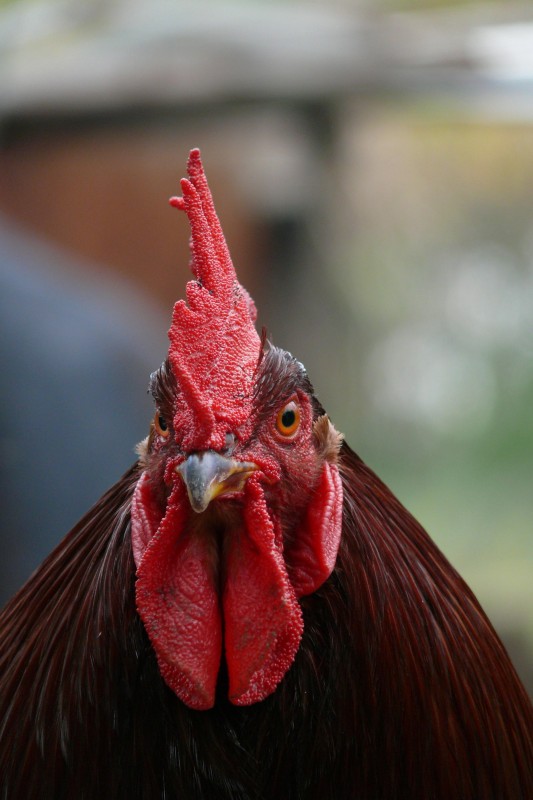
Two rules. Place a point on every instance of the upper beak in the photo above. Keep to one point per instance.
(208, 475)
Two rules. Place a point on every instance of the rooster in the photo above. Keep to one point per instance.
(249, 613)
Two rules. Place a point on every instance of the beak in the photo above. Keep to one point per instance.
(208, 475)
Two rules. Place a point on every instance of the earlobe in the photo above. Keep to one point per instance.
(312, 555)
(142, 451)
(328, 440)
(145, 517)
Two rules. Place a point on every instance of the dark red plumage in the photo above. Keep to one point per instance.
(399, 686)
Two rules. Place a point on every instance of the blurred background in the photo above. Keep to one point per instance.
(372, 165)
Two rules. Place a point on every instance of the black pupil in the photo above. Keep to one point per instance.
(288, 418)
(162, 423)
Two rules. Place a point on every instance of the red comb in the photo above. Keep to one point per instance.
(214, 347)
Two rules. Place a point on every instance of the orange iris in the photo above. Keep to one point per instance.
(288, 419)
(161, 425)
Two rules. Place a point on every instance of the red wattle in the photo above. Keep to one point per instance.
(263, 621)
(178, 602)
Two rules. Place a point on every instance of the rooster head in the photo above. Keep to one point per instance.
(238, 509)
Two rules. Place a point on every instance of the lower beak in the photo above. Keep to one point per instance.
(208, 475)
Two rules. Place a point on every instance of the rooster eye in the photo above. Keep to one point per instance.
(161, 425)
(288, 419)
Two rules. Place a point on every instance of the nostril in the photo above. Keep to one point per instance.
(230, 443)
